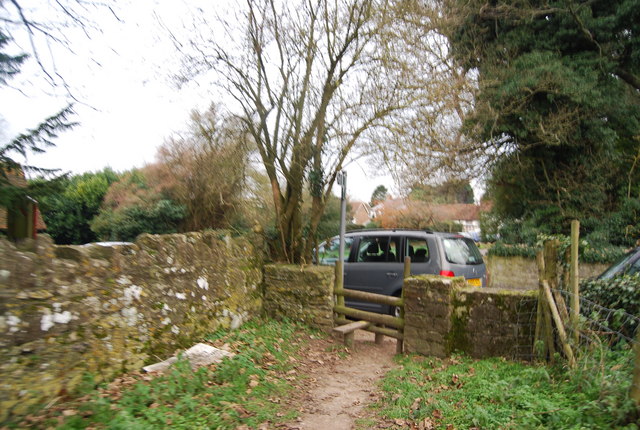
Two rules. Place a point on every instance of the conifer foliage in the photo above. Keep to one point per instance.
(558, 103)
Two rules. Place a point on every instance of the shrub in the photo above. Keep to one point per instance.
(621, 294)
(621, 228)
(502, 249)
(127, 223)
(589, 253)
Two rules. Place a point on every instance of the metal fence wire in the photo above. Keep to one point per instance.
(525, 325)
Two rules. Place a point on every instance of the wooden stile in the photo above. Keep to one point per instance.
(348, 329)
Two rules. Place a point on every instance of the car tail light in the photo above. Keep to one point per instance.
(448, 273)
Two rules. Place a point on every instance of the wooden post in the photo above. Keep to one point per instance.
(556, 317)
(544, 328)
(338, 286)
(407, 267)
(635, 384)
(406, 274)
(379, 338)
(539, 321)
(551, 276)
(340, 281)
(574, 281)
(551, 262)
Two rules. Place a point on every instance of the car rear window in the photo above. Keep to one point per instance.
(461, 250)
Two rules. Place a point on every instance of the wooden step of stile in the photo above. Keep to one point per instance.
(347, 331)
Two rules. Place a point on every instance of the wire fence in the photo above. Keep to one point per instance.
(526, 315)
(598, 326)
(606, 348)
(604, 354)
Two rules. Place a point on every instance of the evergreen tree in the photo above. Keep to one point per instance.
(379, 195)
(558, 103)
(35, 140)
(450, 191)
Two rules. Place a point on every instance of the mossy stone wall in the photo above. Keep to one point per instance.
(443, 315)
(428, 310)
(520, 273)
(68, 310)
(300, 293)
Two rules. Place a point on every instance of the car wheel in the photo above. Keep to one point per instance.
(394, 311)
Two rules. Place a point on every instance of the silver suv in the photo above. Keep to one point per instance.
(374, 260)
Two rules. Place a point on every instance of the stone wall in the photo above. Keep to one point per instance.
(428, 310)
(303, 294)
(521, 273)
(68, 310)
(443, 315)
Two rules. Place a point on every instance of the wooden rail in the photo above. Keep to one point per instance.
(370, 316)
(375, 329)
(370, 297)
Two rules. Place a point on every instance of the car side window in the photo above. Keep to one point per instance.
(330, 252)
(378, 249)
(417, 249)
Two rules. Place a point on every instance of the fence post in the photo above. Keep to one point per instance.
(559, 325)
(574, 281)
(406, 274)
(339, 284)
(551, 263)
(635, 384)
(544, 328)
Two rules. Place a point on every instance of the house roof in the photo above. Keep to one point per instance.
(456, 212)
(361, 212)
(390, 204)
(439, 212)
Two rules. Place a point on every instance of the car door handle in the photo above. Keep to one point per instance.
(392, 274)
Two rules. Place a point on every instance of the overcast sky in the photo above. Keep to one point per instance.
(121, 75)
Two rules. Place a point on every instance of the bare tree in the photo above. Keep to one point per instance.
(431, 147)
(206, 169)
(316, 84)
(39, 28)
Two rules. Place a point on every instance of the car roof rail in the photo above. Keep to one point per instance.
(367, 230)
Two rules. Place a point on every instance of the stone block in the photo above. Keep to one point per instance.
(69, 253)
(429, 321)
(432, 349)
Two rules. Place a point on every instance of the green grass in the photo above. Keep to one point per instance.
(499, 394)
(244, 390)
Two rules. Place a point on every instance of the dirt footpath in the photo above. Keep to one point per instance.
(339, 387)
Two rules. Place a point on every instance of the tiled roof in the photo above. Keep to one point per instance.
(439, 212)
(361, 212)
(456, 212)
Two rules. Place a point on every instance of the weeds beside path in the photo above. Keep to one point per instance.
(283, 376)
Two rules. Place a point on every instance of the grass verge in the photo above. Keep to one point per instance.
(462, 393)
(242, 392)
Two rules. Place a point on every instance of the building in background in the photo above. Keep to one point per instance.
(23, 219)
